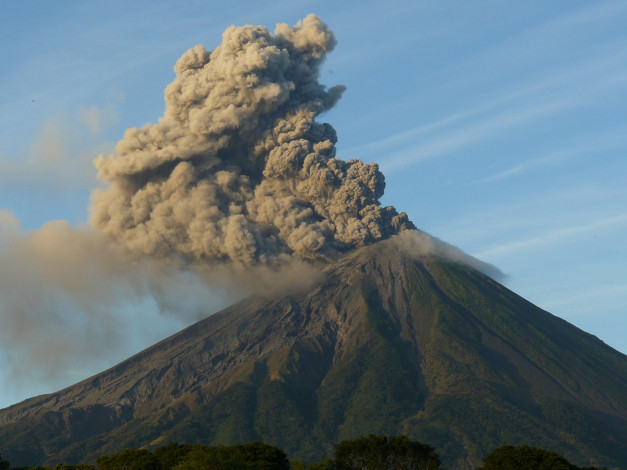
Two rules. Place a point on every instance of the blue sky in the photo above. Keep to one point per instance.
(500, 127)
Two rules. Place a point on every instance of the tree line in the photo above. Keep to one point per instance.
(365, 453)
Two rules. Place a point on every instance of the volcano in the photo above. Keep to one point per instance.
(387, 341)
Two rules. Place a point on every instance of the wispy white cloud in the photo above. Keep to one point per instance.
(572, 301)
(557, 93)
(582, 145)
(459, 138)
(552, 236)
(533, 215)
(512, 101)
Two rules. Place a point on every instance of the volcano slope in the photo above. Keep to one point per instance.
(388, 341)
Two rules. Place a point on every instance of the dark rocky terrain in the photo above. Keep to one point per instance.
(387, 342)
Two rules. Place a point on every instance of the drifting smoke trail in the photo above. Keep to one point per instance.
(237, 169)
(74, 301)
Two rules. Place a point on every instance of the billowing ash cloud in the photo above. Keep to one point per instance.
(238, 169)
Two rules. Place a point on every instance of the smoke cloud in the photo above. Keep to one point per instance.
(418, 243)
(238, 170)
(74, 302)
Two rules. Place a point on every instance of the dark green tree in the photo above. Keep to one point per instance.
(130, 459)
(298, 464)
(4, 465)
(328, 464)
(385, 453)
(524, 457)
(253, 455)
(204, 457)
(263, 456)
(172, 454)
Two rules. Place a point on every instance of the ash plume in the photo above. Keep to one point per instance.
(238, 170)
(73, 301)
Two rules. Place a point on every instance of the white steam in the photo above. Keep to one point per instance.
(418, 243)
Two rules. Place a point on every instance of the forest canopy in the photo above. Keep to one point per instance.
(372, 452)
